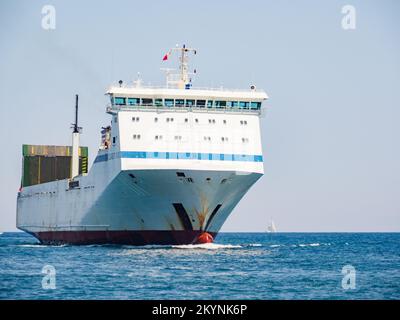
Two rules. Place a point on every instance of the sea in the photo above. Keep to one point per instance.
(237, 266)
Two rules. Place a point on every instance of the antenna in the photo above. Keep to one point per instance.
(75, 127)
(75, 143)
(182, 79)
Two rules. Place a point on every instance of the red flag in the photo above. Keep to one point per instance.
(165, 57)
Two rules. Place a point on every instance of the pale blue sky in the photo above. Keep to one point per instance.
(331, 132)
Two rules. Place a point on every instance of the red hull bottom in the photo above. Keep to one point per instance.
(137, 238)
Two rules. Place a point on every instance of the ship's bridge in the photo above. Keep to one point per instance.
(202, 99)
(178, 94)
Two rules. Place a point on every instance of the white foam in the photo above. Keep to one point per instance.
(207, 246)
(32, 246)
(255, 245)
(275, 245)
(309, 244)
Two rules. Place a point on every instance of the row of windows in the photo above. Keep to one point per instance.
(206, 138)
(223, 139)
(158, 102)
(192, 155)
(212, 121)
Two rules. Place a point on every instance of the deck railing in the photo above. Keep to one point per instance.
(193, 108)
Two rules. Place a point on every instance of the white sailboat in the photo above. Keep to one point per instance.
(271, 228)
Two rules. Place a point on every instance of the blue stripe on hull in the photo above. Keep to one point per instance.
(178, 156)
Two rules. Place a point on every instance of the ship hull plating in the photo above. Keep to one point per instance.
(127, 237)
(135, 207)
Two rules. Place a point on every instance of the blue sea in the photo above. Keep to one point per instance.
(236, 266)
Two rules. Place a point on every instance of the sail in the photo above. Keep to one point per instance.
(271, 227)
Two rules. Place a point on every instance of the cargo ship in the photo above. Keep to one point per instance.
(171, 166)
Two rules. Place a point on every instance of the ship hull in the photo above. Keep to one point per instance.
(132, 237)
(135, 207)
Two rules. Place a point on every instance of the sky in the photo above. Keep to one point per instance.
(331, 128)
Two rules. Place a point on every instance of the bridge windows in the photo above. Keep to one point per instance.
(158, 137)
(224, 139)
(245, 140)
(135, 119)
(243, 122)
(189, 103)
(119, 101)
(169, 102)
(147, 102)
(158, 102)
(244, 105)
(133, 101)
(201, 103)
(220, 104)
(136, 136)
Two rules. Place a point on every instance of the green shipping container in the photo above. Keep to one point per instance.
(50, 163)
(39, 150)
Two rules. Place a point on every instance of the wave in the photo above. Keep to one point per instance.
(255, 245)
(309, 244)
(32, 246)
(275, 245)
(40, 246)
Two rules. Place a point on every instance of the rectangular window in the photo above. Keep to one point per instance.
(179, 102)
(229, 104)
(220, 104)
(255, 105)
(169, 102)
(189, 103)
(133, 101)
(158, 102)
(147, 102)
(210, 103)
(119, 101)
(243, 105)
(235, 104)
(201, 103)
